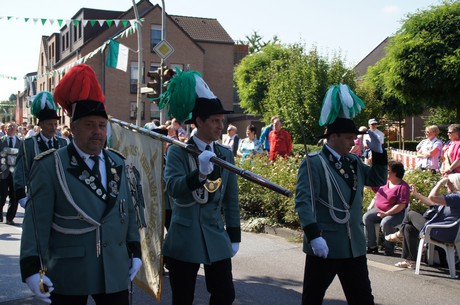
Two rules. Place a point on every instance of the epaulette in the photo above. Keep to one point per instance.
(45, 153)
(118, 153)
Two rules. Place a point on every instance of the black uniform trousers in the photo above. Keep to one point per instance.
(353, 275)
(117, 298)
(7, 190)
(218, 276)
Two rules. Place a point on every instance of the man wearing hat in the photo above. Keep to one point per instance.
(45, 110)
(329, 195)
(380, 135)
(9, 145)
(80, 224)
(205, 223)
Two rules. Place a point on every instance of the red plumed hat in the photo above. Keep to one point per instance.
(80, 94)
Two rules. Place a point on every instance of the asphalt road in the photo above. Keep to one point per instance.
(268, 270)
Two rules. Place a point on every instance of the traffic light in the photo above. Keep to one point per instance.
(154, 83)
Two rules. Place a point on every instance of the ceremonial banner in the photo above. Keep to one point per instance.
(144, 167)
(118, 56)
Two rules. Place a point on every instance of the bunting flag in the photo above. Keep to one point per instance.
(60, 22)
(118, 56)
(8, 77)
(144, 168)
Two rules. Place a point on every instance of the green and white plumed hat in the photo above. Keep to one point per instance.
(188, 97)
(43, 107)
(340, 106)
(339, 101)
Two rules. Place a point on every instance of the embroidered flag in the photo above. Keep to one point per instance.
(118, 56)
(144, 167)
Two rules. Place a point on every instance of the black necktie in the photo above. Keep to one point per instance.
(95, 171)
(208, 147)
(50, 143)
(10, 143)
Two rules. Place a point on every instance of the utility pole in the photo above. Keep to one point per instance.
(139, 64)
(163, 61)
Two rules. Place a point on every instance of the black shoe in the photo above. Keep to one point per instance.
(10, 222)
(372, 250)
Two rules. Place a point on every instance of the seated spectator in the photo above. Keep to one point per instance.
(391, 201)
(451, 151)
(357, 149)
(429, 150)
(249, 146)
(414, 224)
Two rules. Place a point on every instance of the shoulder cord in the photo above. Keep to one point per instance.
(329, 177)
(81, 214)
(196, 193)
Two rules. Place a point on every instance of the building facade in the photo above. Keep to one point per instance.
(200, 44)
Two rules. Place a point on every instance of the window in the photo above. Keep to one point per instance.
(154, 110)
(79, 30)
(133, 110)
(155, 36)
(74, 33)
(133, 77)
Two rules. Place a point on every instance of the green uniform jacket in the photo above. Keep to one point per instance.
(69, 244)
(197, 233)
(28, 149)
(316, 219)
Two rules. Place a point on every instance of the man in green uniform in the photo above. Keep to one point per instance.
(80, 222)
(44, 109)
(205, 223)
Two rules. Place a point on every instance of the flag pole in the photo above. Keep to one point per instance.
(138, 26)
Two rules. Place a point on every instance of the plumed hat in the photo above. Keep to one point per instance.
(340, 106)
(43, 107)
(189, 97)
(80, 94)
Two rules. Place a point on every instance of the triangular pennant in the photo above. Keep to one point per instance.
(101, 22)
(51, 21)
(75, 22)
(92, 22)
(26, 19)
(132, 22)
(60, 22)
(85, 22)
(43, 20)
(9, 17)
(68, 22)
(125, 22)
(117, 22)
(109, 22)
(35, 20)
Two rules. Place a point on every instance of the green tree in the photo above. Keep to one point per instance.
(422, 66)
(289, 82)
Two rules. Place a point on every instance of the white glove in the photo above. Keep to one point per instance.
(137, 264)
(235, 248)
(319, 247)
(33, 282)
(23, 201)
(206, 167)
(374, 144)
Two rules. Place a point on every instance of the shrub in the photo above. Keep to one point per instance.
(262, 205)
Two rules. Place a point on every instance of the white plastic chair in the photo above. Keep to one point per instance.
(448, 247)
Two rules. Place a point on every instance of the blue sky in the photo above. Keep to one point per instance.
(353, 27)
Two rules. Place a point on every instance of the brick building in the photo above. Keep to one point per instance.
(200, 44)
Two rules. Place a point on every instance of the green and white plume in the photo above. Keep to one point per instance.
(339, 101)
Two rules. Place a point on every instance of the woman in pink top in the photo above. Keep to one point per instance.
(389, 207)
(451, 151)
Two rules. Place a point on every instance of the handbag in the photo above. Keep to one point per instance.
(430, 212)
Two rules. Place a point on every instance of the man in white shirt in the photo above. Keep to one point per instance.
(373, 124)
